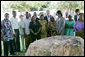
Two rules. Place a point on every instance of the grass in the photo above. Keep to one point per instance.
(19, 54)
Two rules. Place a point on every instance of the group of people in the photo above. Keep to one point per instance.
(34, 28)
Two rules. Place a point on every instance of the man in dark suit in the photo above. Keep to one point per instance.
(76, 17)
(48, 16)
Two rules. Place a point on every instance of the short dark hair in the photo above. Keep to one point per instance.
(13, 11)
(59, 12)
(77, 10)
(27, 12)
(27, 15)
(70, 16)
(6, 14)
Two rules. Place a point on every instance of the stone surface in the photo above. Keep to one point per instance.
(57, 46)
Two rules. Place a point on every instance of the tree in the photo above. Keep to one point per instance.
(72, 5)
(24, 5)
(41, 5)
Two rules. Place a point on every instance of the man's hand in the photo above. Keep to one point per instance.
(58, 32)
(21, 36)
(14, 35)
(35, 33)
(3, 39)
(25, 35)
(43, 32)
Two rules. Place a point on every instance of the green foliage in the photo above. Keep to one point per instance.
(42, 5)
(25, 5)
(72, 5)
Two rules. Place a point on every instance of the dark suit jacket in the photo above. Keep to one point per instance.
(37, 19)
(45, 18)
(75, 18)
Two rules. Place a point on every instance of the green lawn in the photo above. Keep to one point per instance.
(19, 54)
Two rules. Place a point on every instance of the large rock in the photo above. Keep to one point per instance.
(57, 46)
